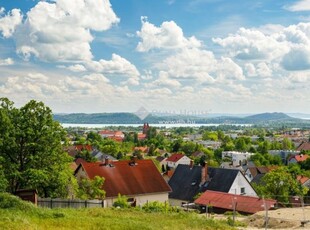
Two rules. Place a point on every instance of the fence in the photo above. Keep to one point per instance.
(69, 203)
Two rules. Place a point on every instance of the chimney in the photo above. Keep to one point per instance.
(133, 161)
(191, 164)
(204, 173)
(106, 160)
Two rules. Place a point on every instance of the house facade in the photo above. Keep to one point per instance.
(114, 135)
(139, 180)
(237, 158)
(188, 181)
(175, 159)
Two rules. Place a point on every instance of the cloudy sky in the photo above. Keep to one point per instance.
(218, 56)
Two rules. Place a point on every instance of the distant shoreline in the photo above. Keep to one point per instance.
(176, 125)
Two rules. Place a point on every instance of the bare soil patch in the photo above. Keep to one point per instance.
(284, 218)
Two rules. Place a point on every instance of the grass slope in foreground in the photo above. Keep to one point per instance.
(16, 214)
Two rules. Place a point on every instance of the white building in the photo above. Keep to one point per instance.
(237, 158)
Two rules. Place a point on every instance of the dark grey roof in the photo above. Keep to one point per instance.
(101, 156)
(258, 178)
(185, 182)
(250, 164)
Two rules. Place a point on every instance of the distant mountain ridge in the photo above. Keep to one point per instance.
(131, 118)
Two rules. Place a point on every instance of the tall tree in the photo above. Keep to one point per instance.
(30, 145)
(279, 184)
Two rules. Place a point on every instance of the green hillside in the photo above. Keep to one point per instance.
(16, 214)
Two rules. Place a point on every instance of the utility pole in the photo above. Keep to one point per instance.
(266, 214)
(234, 209)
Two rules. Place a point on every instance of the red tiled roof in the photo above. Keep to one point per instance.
(80, 160)
(116, 138)
(302, 179)
(84, 147)
(143, 149)
(126, 179)
(244, 204)
(111, 133)
(300, 157)
(106, 132)
(175, 157)
(304, 146)
(141, 136)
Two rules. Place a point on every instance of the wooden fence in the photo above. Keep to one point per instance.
(69, 203)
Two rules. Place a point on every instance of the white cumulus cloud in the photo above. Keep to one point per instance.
(302, 5)
(61, 30)
(9, 22)
(7, 61)
(168, 36)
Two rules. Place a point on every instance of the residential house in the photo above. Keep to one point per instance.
(304, 146)
(297, 158)
(141, 136)
(114, 135)
(229, 165)
(222, 202)
(75, 149)
(198, 154)
(210, 144)
(102, 156)
(254, 174)
(142, 149)
(139, 180)
(237, 158)
(284, 154)
(175, 159)
(190, 180)
(305, 181)
(162, 161)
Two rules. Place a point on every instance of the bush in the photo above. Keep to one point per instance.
(8, 201)
(157, 206)
(121, 202)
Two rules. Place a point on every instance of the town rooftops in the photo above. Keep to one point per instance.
(302, 179)
(304, 146)
(175, 157)
(243, 204)
(127, 177)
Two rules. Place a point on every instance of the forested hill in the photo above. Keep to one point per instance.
(263, 117)
(98, 118)
(130, 118)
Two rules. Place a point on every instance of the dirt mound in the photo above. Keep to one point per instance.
(284, 218)
(258, 221)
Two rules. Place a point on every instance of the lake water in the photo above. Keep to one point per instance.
(167, 125)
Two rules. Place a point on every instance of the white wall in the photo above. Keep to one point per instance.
(175, 202)
(241, 182)
(184, 161)
(141, 199)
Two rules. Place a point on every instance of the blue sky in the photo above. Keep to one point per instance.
(215, 56)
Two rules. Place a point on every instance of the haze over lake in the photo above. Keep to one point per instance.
(66, 125)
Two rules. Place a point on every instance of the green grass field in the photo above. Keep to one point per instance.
(15, 214)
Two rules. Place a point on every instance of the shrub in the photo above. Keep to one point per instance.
(157, 206)
(8, 201)
(121, 202)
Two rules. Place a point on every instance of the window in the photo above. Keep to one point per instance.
(242, 190)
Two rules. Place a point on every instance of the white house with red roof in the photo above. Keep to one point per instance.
(139, 180)
(175, 159)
